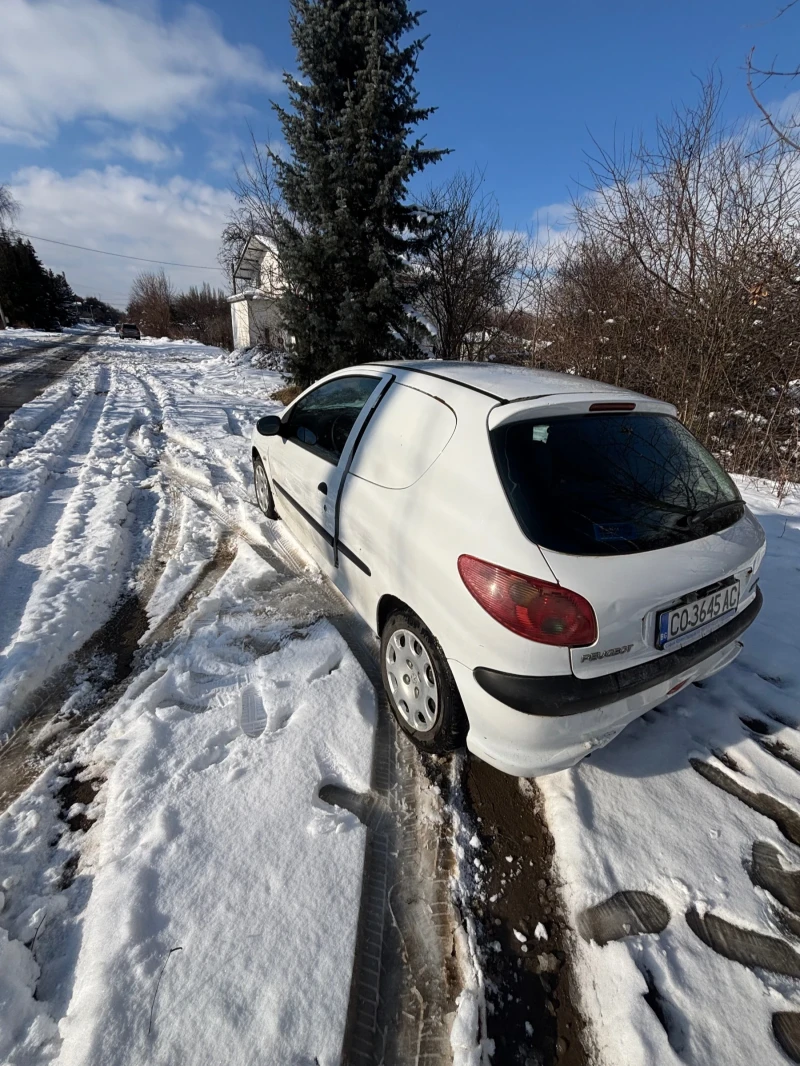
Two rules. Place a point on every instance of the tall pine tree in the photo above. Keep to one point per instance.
(348, 232)
(30, 294)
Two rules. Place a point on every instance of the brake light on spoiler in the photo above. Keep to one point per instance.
(528, 606)
(612, 406)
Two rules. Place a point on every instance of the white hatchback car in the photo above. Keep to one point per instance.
(543, 557)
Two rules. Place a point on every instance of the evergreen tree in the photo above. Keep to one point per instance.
(23, 284)
(31, 295)
(63, 303)
(347, 235)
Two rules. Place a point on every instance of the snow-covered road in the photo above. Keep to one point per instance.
(30, 361)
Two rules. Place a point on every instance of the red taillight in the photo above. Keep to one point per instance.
(538, 610)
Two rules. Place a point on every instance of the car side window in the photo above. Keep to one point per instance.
(323, 420)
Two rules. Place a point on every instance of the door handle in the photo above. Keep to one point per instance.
(323, 488)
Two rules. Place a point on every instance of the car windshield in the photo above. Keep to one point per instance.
(610, 484)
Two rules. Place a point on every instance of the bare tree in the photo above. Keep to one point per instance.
(258, 204)
(476, 274)
(785, 126)
(151, 303)
(8, 212)
(683, 282)
(8, 207)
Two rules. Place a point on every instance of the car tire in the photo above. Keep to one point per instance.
(420, 688)
(264, 497)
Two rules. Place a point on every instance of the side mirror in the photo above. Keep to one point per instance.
(269, 425)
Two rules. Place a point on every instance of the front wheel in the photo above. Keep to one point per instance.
(420, 686)
(263, 491)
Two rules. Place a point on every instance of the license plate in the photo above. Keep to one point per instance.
(680, 625)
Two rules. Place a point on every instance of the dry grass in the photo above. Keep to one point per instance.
(286, 394)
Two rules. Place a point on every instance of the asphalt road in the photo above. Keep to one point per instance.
(25, 372)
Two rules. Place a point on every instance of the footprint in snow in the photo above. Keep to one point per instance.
(253, 714)
(786, 1027)
(767, 871)
(254, 717)
(755, 950)
(623, 914)
(217, 749)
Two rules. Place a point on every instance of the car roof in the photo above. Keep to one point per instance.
(506, 383)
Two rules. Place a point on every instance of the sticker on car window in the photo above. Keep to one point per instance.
(540, 433)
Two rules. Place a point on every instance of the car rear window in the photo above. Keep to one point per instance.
(611, 484)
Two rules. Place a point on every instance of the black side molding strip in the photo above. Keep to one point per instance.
(565, 694)
(444, 377)
(345, 551)
(321, 530)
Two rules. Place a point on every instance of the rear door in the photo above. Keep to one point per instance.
(308, 460)
(632, 513)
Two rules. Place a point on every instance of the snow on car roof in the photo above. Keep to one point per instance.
(508, 383)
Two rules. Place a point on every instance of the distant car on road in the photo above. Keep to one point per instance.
(543, 557)
(128, 329)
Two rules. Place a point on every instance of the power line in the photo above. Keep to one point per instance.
(119, 255)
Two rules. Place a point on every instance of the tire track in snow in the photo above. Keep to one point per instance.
(21, 380)
(79, 577)
(31, 550)
(31, 423)
(24, 478)
(103, 668)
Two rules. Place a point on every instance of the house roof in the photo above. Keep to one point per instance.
(249, 261)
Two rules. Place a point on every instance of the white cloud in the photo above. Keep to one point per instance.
(554, 224)
(225, 151)
(62, 60)
(139, 146)
(177, 220)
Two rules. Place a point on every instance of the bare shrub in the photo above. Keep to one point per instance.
(476, 276)
(150, 303)
(203, 314)
(683, 282)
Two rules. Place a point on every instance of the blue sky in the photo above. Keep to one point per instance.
(121, 122)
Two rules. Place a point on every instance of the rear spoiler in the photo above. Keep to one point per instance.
(577, 403)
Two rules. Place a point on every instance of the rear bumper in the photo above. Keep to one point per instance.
(531, 743)
(527, 745)
(565, 694)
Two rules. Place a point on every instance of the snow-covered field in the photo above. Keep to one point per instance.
(180, 889)
(695, 809)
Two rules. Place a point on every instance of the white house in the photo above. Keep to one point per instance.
(257, 284)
